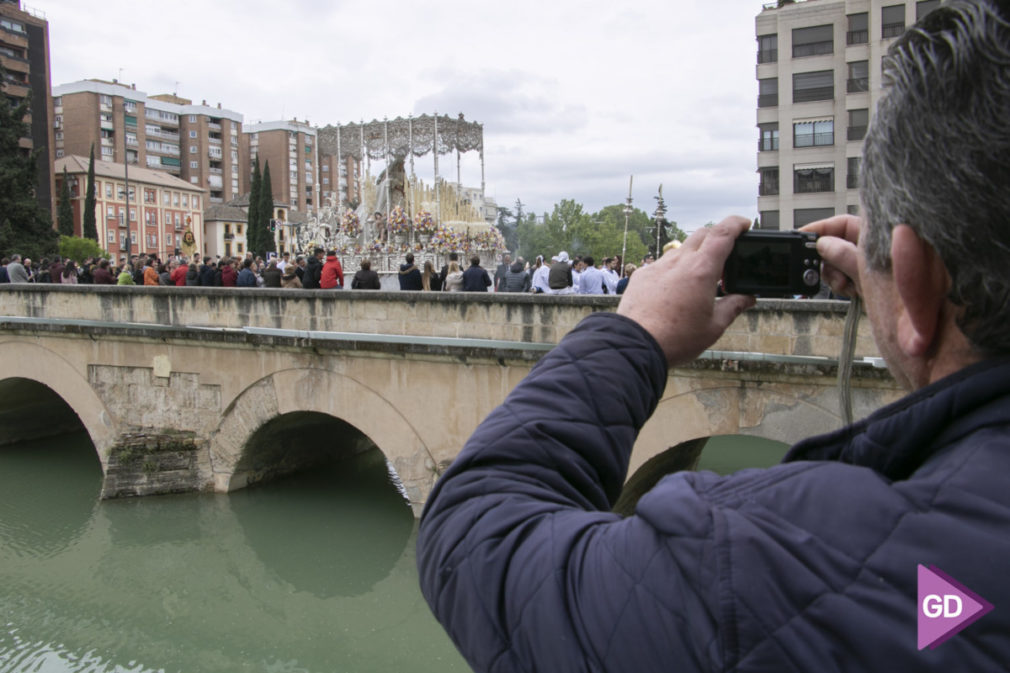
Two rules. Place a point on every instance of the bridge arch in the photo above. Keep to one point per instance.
(312, 396)
(784, 412)
(27, 363)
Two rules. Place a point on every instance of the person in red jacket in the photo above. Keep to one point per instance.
(228, 273)
(332, 277)
(179, 274)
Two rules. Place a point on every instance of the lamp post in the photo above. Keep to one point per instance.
(627, 214)
(660, 216)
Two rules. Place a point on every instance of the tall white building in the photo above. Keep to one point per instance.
(819, 77)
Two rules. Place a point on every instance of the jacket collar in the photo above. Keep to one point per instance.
(899, 438)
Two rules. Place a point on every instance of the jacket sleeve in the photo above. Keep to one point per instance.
(519, 555)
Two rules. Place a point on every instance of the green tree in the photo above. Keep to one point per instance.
(253, 219)
(26, 227)
(79, 249)
(507, 228)
(65, 212)
(89, 228)
(266, 212)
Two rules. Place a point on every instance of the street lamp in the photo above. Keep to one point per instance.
(627, 214)
(660, 216)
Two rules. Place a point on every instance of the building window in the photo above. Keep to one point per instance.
(813, 179)
(326, 168)
(196, 203)
(194, 180)
(892, 21)
(859, 29)
(859, 76)
(108, 190)
(326, 181)
(768, 92)
(769, 220)
(804, 216)
(813, 41)
(238, 248)
(769, 181)
(852, 209)
(111, 236)
(194, 164)
(192, 134)
(192, 149)
(768, 48)
(811, 86)
(814, 133)
(238, 229)
(858, 121)
(852, 174)
(921, 8)
(133, 214)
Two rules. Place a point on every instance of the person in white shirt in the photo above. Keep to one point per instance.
(540, 276)
(591, 281)
(610, 274)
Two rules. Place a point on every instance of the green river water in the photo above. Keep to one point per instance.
(310, 574)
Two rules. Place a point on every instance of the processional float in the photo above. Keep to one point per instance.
(396, 212)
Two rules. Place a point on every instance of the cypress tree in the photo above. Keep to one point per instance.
(64, 211)
(89, 228)
(266, 211)
(252, 222)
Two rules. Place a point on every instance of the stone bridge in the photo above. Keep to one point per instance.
(213, 389)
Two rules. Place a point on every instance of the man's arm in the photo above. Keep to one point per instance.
(519, 554)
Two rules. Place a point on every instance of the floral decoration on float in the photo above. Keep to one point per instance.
(398, 221)
(350, 223)
(424, 223)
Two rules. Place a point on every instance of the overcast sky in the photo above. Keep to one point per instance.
(575, 97)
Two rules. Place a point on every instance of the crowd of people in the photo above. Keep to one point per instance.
(561, 275)
(323, 270)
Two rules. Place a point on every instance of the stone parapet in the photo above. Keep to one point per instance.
(778, 327)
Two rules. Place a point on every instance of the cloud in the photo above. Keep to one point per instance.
(508, 101)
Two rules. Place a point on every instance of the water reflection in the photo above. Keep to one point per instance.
(313, 573)
(50, 492)
(358, 529)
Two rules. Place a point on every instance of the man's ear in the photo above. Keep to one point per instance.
(921, 282)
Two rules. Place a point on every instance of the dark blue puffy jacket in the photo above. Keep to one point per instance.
(807, 566)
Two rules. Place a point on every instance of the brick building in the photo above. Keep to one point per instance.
(195, 143)
(157, 222)
(24, 55)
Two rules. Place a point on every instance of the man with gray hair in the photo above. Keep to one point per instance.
(863, 548)
(16, 270)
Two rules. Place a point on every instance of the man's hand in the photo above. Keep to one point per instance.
(839, 237)
(674, 299)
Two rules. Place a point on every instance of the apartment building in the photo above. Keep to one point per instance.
(291, 148)
(166, 209)
(24, 55)
(819, 78)
(338, 182)
(195, 143)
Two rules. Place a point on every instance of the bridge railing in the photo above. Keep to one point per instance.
(773, 327)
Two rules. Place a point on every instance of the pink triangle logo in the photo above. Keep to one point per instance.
(945, 607)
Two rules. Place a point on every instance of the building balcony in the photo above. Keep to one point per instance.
(856, 132)
(857, 37)
(768, 100)
(213, 126)
(891, 30)
(858, 84)
(216, 171)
